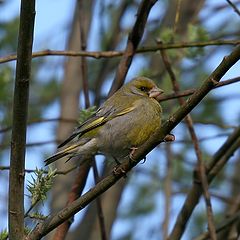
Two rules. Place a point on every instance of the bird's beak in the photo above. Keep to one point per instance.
(155, 92)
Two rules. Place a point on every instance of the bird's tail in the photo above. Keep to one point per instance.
(65, 152)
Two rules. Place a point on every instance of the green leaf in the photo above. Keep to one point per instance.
(40, 185)
(3, 234)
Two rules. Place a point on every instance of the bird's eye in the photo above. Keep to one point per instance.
(144, 89)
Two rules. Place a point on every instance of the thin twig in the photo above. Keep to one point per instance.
(39, 144)
(33, 144)
(4, 168)
(112, 54)
(234, 7)
(219, 135)
(185, 93)
(42, 120)
(201, 166)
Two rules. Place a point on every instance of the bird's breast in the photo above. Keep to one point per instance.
(120, 134)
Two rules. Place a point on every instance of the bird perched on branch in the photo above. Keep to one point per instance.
(122, 124)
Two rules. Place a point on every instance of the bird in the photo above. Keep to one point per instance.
(121, 124)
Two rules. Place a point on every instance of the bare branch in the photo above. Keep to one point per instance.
(234, 7)
(42, 120)
(111, 54)
(3, 168)
(20, 111)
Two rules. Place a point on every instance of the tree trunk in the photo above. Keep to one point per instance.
(69, 102)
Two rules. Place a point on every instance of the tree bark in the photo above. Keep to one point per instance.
(20, 111)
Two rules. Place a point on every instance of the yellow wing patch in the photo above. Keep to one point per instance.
(101, 120)
(68, 149)
(127, 110)
(95, 122)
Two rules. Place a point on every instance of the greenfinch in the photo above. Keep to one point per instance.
(122, 124)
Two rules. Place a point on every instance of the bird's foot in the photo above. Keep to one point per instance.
(118, 170)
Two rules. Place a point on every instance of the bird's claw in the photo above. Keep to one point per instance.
(118, 170)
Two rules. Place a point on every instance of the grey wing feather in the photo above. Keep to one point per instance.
(83, 128)
(102, 115)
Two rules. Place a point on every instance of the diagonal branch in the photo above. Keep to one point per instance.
(43, 228)
(234, 7)
(20, 111)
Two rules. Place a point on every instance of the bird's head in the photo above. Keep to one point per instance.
(144, 87)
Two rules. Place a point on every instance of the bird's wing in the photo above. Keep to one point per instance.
(99, 118)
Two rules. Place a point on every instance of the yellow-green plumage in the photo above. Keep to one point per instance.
(126, 120)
